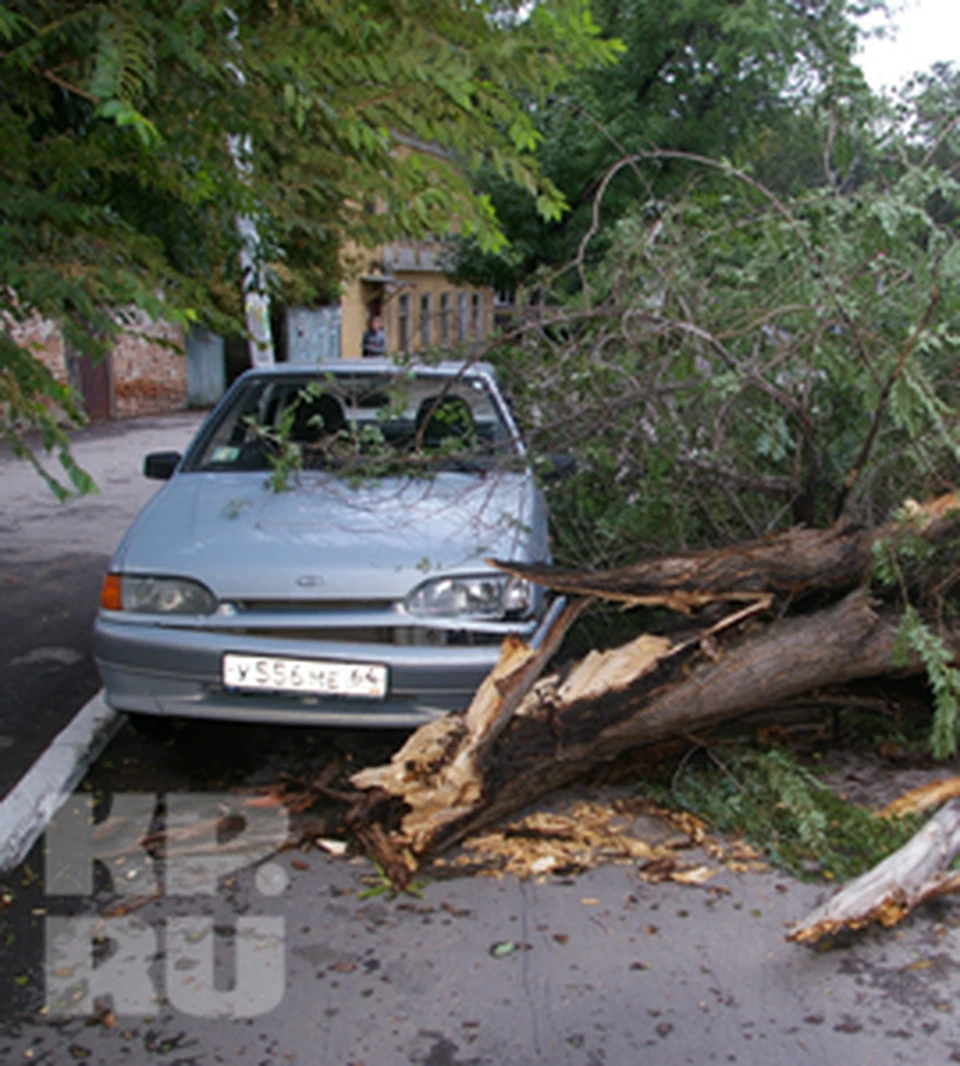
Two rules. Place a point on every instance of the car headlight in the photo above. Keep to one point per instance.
(156, 595)
(482, 596)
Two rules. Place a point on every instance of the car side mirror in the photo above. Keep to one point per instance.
(160, 465)
(559, 468)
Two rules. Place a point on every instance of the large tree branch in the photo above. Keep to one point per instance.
(797, 561)
(524, 736)
(611, 702)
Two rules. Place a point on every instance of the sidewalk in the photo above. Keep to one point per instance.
(52, 560)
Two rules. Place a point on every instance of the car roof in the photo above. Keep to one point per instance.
(446, 368)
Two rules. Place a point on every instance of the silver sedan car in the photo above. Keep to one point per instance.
(318, 554)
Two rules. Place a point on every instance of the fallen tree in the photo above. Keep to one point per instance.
(797, 612)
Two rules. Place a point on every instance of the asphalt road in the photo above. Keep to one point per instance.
(249, 956)
(52, 560)
(292, 961)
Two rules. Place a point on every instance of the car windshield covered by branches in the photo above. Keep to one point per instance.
(319, 553)
(366, 422)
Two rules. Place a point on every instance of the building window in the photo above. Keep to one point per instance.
(461, 317)
(403, 322)
(445, 320)
(476, 307)
(426, 323)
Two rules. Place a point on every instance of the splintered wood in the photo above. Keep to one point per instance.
(923, 798)
(439, 773)
(586, 833)
(612, 671)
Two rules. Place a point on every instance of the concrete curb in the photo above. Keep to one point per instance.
(28, 808)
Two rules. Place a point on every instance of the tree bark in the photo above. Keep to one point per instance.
(795, 563)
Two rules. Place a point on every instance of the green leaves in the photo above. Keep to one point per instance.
(30, 395)
(944, 678)
(125, 115)
(726, 361)
(125, 60)
(733, 81)
(364, 123)
(779, 805)
(12, 24)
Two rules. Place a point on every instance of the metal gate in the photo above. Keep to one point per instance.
(96, 386)
(313, 336)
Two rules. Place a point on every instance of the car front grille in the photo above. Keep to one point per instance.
(291, 607)
(410, 636)
(343, 622)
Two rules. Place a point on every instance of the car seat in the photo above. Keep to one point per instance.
(316, 418)
(444, 418)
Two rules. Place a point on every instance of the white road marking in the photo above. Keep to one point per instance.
(39, 794)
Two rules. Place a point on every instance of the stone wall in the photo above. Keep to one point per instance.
(43, 340)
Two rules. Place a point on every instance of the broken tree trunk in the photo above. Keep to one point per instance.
(613, 701)
(525, 735)
(886, 894)
(792, 563)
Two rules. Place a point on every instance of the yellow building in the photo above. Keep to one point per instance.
(420, 309)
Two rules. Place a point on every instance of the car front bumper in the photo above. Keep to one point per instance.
(168, 670)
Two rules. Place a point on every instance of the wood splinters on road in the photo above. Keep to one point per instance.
(885, 895)
(437, 773)
(924, 798)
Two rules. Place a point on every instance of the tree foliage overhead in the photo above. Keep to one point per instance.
(931, 110)
(121, 124)
(713, 77)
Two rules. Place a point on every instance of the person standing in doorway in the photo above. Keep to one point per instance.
(375, 339)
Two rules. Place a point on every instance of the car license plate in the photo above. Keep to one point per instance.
(316, 677)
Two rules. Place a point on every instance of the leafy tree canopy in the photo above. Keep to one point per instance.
(123, 126)
(719, 78)
(930, 110)
(738, 362)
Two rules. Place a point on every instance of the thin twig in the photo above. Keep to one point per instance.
(854, 476)
(70, 87)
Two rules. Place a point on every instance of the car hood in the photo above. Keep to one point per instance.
(327, 537)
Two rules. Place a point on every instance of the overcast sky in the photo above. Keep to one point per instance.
(929, 32)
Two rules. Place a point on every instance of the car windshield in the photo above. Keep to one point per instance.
(360, 422)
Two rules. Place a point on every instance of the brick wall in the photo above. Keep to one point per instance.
(147, 377)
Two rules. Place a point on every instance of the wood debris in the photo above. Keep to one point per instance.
(587, 833)
(780, 619)
(919, 871)
(924, 798)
